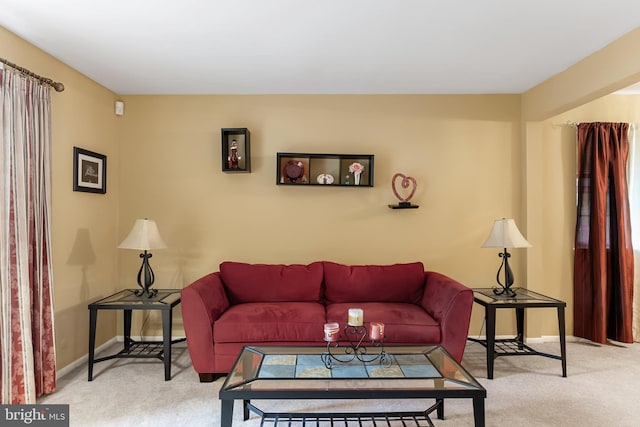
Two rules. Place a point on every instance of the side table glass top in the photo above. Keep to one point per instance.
(301, 368)
(128, 297)
(523, 295)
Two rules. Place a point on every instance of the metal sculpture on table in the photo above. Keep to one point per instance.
(353, 348)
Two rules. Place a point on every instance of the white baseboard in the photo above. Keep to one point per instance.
(537, 340)
(120, 338)
(84, 359)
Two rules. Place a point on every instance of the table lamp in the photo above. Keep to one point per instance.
(144, 236)
(505, 234)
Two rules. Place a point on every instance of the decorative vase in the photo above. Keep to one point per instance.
(356, 179)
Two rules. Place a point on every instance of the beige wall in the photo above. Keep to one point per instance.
(463, 151)
(473, 160)
(84, 225)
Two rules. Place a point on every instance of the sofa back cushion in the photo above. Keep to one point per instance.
(374, 283)
(246, 283)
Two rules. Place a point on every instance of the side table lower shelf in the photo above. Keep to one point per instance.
(140, 350)
(513, 347)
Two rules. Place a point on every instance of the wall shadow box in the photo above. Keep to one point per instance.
(332, 170)
(236, 153)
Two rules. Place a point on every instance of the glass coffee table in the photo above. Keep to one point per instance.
(299, 373)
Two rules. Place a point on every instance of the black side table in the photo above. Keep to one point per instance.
(125, 300)
(523, 299)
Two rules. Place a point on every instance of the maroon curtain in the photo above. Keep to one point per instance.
(603, 265)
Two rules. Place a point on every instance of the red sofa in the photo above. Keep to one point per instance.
(271, 304)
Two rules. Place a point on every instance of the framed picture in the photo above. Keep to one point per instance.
(89, 171)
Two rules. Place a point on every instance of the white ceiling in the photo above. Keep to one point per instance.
(319, 46)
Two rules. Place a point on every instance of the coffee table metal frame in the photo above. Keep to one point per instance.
(243, 383)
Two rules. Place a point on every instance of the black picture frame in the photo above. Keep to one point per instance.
(89, 171)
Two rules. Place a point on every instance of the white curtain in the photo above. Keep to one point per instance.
(634, 205)
(27, 349)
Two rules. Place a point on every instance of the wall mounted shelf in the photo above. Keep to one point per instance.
(329, 170)
(236, 153)
(404, 205)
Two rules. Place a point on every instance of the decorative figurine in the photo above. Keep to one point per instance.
(356, 169)
(234, 158)
(294, 170)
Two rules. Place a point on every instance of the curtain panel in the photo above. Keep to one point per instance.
(27, 349)
(603, 265)
(633, 178)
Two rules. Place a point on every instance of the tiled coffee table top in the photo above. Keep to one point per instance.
(312, 366)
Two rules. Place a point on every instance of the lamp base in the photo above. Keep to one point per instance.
(505, 289)
(146, 278)
(149, 293)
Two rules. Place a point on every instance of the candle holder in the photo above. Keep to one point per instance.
(353, 349)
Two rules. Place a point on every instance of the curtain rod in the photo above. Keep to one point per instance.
(575, 124)
(59, 87)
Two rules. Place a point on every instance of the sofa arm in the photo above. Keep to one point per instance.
(203, 302)
(450, 303)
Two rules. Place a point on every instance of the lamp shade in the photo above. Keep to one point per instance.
(505, 234)
(143, 236)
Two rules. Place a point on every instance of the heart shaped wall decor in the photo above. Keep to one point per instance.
(405, 182)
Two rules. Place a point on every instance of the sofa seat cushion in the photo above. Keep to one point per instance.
(404, 323)
(270, 322)
(374, 283)
(272, 282)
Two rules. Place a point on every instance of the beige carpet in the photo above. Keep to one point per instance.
(602, 389)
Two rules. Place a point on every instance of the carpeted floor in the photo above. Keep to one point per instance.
(602, 389)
